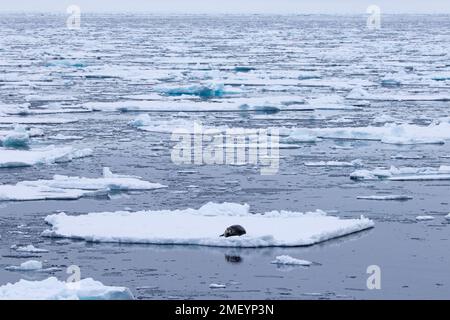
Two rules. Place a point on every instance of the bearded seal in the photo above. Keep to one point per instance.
(235, 230)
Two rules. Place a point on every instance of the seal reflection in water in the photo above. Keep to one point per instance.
(232, 231)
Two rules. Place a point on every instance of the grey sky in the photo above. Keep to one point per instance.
(231, 6)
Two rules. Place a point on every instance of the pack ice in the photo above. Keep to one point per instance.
(203, 226)
(71, 188)
(53, 289)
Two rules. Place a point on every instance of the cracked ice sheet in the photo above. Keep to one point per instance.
(203, 226)
(10, 158)
(53, 289)
(71, 188)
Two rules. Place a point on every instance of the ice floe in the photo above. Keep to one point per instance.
(205, 91)
(35, 120)
(270, 104)
(47, 155)
(435, 133)
(403, 174)
(31, 265)
(28, 248)
(217, 286)
(71, 188)
(203, 226)
(354, 163)
(53, 289)
(387, 197)
(288, 260)
(424, 218)
(360, 93)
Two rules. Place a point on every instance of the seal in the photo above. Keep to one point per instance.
(235, 230)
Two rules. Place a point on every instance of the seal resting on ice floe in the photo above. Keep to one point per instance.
(235, 230)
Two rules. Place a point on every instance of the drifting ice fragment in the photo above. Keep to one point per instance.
(51, 154)
(53, 289)
(31, 265)
(71, 188)
(288, 260)
(424, 218)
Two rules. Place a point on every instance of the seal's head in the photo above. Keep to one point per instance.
(235, 230)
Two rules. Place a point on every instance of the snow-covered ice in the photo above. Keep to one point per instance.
(31, 265)
(71, 188)
(203, 226)
(403, 174)
(46, 155)
(53, 289)
(391, 133)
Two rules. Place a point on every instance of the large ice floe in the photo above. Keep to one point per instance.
(435, 133)
(47, 155)
(71, 188)
(359, 93)
(403, 174)
(53, 289)
(203, 226)
(185, 103)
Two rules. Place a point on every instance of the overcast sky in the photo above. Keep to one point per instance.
(231, 6)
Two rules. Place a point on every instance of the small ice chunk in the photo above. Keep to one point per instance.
(288, 260)
(19, 138)
(217, 286)
(387, 197)
(29, 248)
(424, 218)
